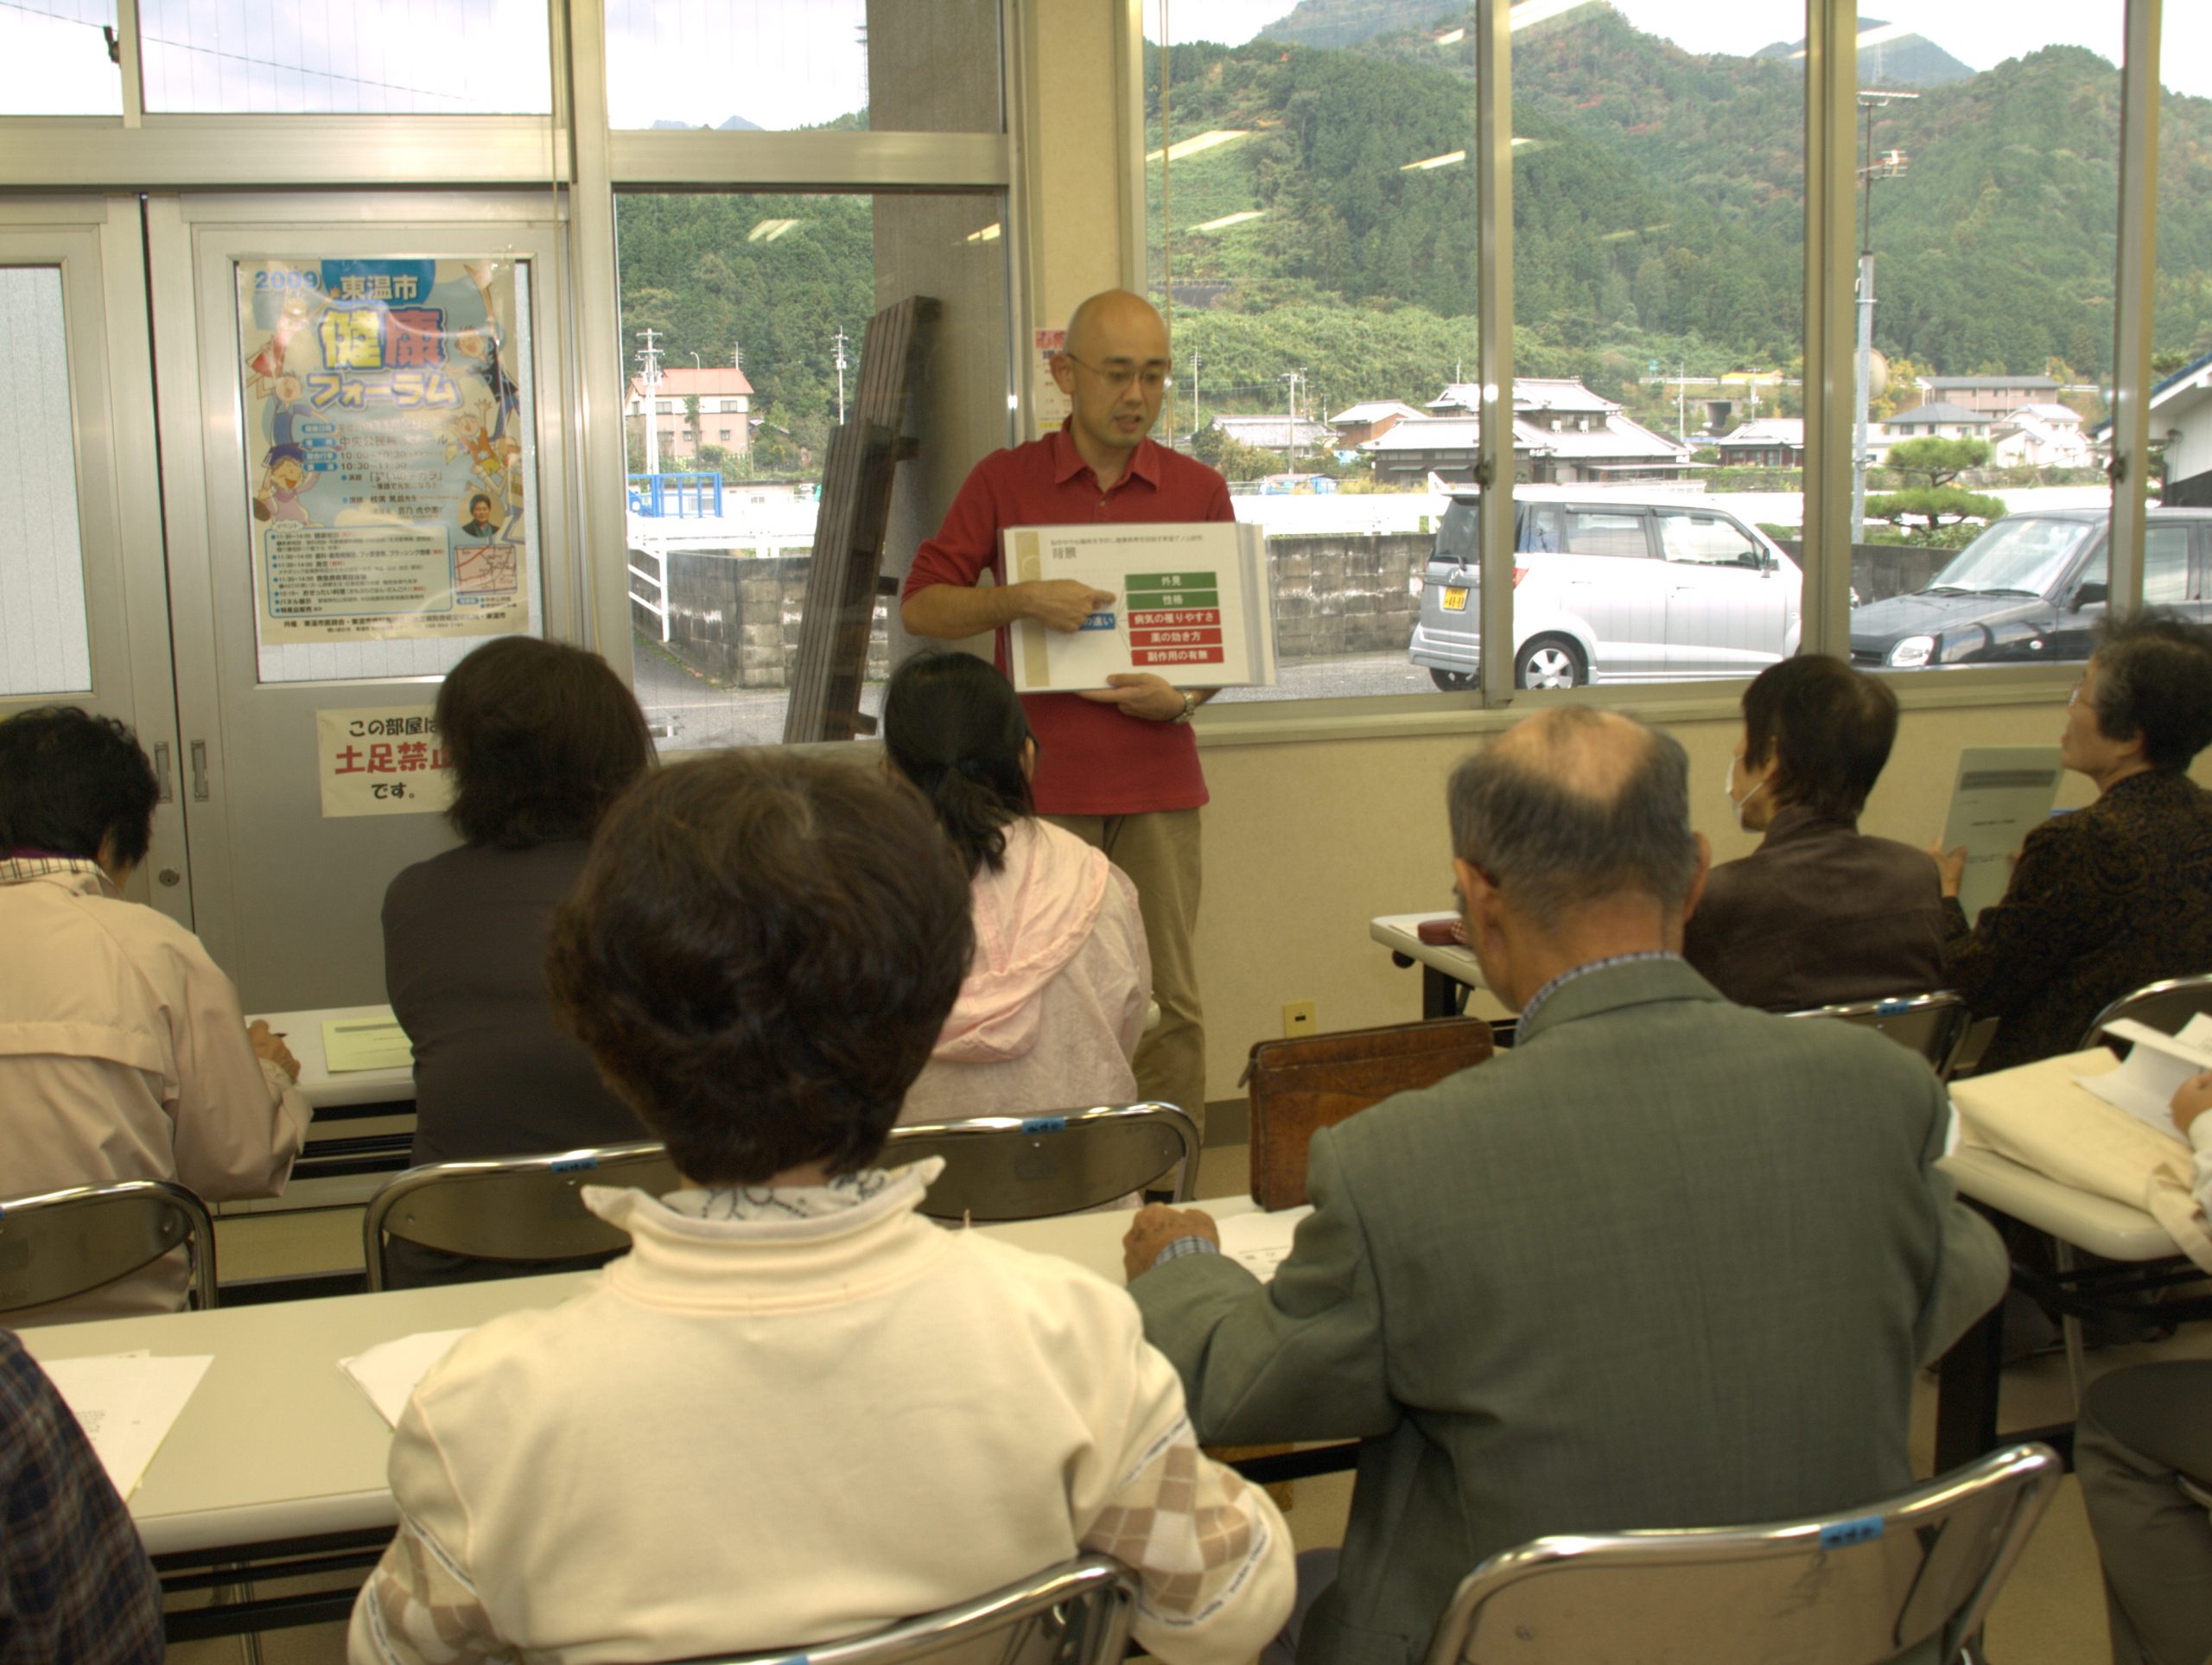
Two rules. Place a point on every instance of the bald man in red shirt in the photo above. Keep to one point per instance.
(1118, 766)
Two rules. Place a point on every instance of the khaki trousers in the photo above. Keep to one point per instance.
(2138, 1427)
(1160, 852)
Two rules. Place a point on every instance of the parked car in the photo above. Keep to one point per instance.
(2032, 588)
(1606, 590)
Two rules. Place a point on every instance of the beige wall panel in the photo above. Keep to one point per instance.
(1305, 842)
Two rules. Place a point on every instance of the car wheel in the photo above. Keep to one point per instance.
(1453, 682)
(1549, 662)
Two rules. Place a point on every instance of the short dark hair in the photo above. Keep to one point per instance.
(954, 726)
(2154, 678)
(1555, 848)
(759, 957)
(542, 737)
(1829, 728)
(477, 498)
(70, 782)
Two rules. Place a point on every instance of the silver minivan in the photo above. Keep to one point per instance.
(1606, 589)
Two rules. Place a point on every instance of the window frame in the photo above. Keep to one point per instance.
(1831, 207)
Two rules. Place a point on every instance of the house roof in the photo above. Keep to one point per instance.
(2063, 414)
(1926, 415)
(1767, 430)
(713, 381)
(1617, 437)
(1371, 410)
(1560, 393)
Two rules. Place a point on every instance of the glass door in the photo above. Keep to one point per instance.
(364, 480)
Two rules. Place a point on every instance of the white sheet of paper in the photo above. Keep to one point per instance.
(1192, 602)
(2144, 1085)
(1259, 1242)
(2001, 793)
(126, 1403)
(389, 1371)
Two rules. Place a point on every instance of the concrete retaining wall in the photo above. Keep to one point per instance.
(734, 618)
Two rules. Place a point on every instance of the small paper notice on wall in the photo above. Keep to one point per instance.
(388, 760)
(1052, 406)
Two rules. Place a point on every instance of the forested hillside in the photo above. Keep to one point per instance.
(1657, 217)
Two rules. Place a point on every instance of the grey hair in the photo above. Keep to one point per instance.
(1554, 848)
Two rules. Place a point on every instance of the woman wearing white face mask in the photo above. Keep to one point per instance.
(1820, 912)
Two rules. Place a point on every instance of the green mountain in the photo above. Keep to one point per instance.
(1658, 202)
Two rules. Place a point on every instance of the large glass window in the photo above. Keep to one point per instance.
(759, 305)
(1312, 228)
(265, 57)
(55, 60)
(2180, 403)
(43, 646)
(740, 65)
(1658, 217)
(1988, 219)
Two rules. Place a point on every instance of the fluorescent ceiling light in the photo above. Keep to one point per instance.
(1227, 220)
(1191, 147)
(769, 230)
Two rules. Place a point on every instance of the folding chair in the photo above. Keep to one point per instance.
(2167, 1005)
(61, 1244)
(525, 1208)
(1076, 1613)
(1859, 1588)
(1931, 1025)
(1007, 1167)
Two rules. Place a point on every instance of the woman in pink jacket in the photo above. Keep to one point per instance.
(1055, 998)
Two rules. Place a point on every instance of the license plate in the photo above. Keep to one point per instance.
(1455, 598)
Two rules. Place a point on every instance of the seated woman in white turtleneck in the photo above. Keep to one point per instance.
(796, 1409)
(1053, 1004)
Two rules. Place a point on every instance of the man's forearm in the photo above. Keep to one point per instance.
(949, 612)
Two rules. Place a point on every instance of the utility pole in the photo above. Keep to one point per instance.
(1289, 378)
(1889, 165)
(840, 378)
(1194, 399)
(649, 357)
(1681, 400)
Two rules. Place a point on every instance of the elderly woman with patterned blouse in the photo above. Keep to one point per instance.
(2116, 895)
(798, 1409)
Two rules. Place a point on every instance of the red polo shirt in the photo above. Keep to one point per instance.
(1090, 758)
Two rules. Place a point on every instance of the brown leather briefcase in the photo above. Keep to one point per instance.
(1299, 1086)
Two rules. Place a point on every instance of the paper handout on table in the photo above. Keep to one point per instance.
(1260, 1242)
(1192, 602)
(126, 1403)
(389, 1371)
(2144, 1085)
(2002, 792)
(350, 1044)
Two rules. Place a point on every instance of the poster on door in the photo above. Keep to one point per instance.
(387, 448)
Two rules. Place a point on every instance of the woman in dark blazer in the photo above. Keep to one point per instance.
(2116, 895)
(543, 737)
(1820, 914)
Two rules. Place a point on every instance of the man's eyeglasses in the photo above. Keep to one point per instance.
(1151, 377)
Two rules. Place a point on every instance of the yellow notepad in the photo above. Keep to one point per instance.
(350, 1044)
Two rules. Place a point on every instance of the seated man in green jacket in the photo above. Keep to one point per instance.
(1668, 1262)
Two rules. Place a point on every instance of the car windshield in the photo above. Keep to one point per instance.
(2023, 554)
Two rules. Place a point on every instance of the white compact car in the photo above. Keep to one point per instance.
(1606, 590)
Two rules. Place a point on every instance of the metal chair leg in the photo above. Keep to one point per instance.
(2070, 1326)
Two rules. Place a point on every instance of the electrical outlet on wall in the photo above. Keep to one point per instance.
(1298, 1017)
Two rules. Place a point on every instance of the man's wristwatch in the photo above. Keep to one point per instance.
(1191, 704)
